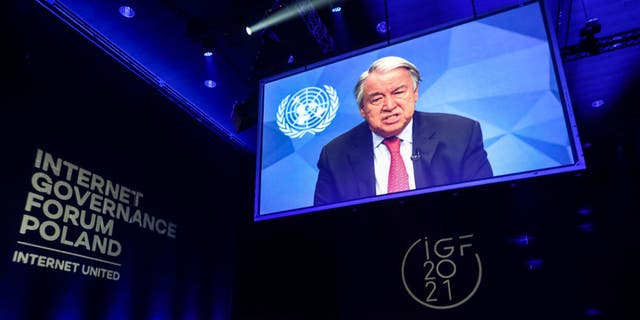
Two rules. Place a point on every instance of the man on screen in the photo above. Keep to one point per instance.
(396, 148)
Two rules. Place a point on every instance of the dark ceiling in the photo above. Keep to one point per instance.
(163, 42)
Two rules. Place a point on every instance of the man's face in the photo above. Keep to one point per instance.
(389, 101)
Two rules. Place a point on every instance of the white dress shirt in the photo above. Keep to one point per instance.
(382, 158)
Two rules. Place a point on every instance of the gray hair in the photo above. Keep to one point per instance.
(386, 64)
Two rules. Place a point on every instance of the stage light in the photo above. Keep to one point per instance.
(287, 13)
(584, 211)
(210, 84)
(381, 27)
(127, 12)
(534, 264)
(586, 227)
(597, 103)
(522, 240)
(591, 27)
(291, 59)
(588, 40)
(208, 45)
(592, 312)
(336, 9)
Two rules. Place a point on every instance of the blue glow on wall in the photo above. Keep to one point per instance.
(120, 302)
(522, 240)
(70, 302)
(534, 264)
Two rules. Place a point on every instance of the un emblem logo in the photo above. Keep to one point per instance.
(309, 110)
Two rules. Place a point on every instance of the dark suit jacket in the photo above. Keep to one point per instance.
(450, 149)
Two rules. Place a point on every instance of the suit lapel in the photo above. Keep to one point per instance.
(361, 161)
(425, 143)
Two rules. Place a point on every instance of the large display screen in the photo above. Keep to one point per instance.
(491, 106)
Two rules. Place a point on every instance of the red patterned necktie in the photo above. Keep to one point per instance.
(398, 177)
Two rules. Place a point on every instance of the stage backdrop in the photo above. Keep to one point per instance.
(114, 204)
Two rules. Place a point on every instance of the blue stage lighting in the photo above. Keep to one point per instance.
(522, 240)
(127, 12)
(592, 312)
(382, 27)
(584, 211)
(586, 227)
(533, 264)
(210, 84)
(208, 45)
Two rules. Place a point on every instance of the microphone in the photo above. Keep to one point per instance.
(416, 155)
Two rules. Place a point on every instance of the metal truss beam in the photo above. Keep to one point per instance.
(601, 45)
(316, 27)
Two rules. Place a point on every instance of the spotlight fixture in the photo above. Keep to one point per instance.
(522, 240)
(335, 6)
(592, 312)
(127, 12)
(597, 103)
(210, 84)
(584, 211)
(381, 27)
(591, 27)
(588, 40)
(279, 13)
(586, 227)
(208, 45)
(534, 264)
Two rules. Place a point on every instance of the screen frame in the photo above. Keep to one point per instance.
(563, 94)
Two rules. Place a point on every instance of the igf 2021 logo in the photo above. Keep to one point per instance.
(442, 273)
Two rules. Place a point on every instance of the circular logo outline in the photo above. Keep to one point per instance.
(406, 286)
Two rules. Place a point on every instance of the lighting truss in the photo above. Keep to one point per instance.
(315, 25)
(602, 44)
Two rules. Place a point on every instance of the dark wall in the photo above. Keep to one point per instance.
(66, 97)
(543, 254)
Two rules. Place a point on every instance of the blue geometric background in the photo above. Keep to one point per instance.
(497, 70)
